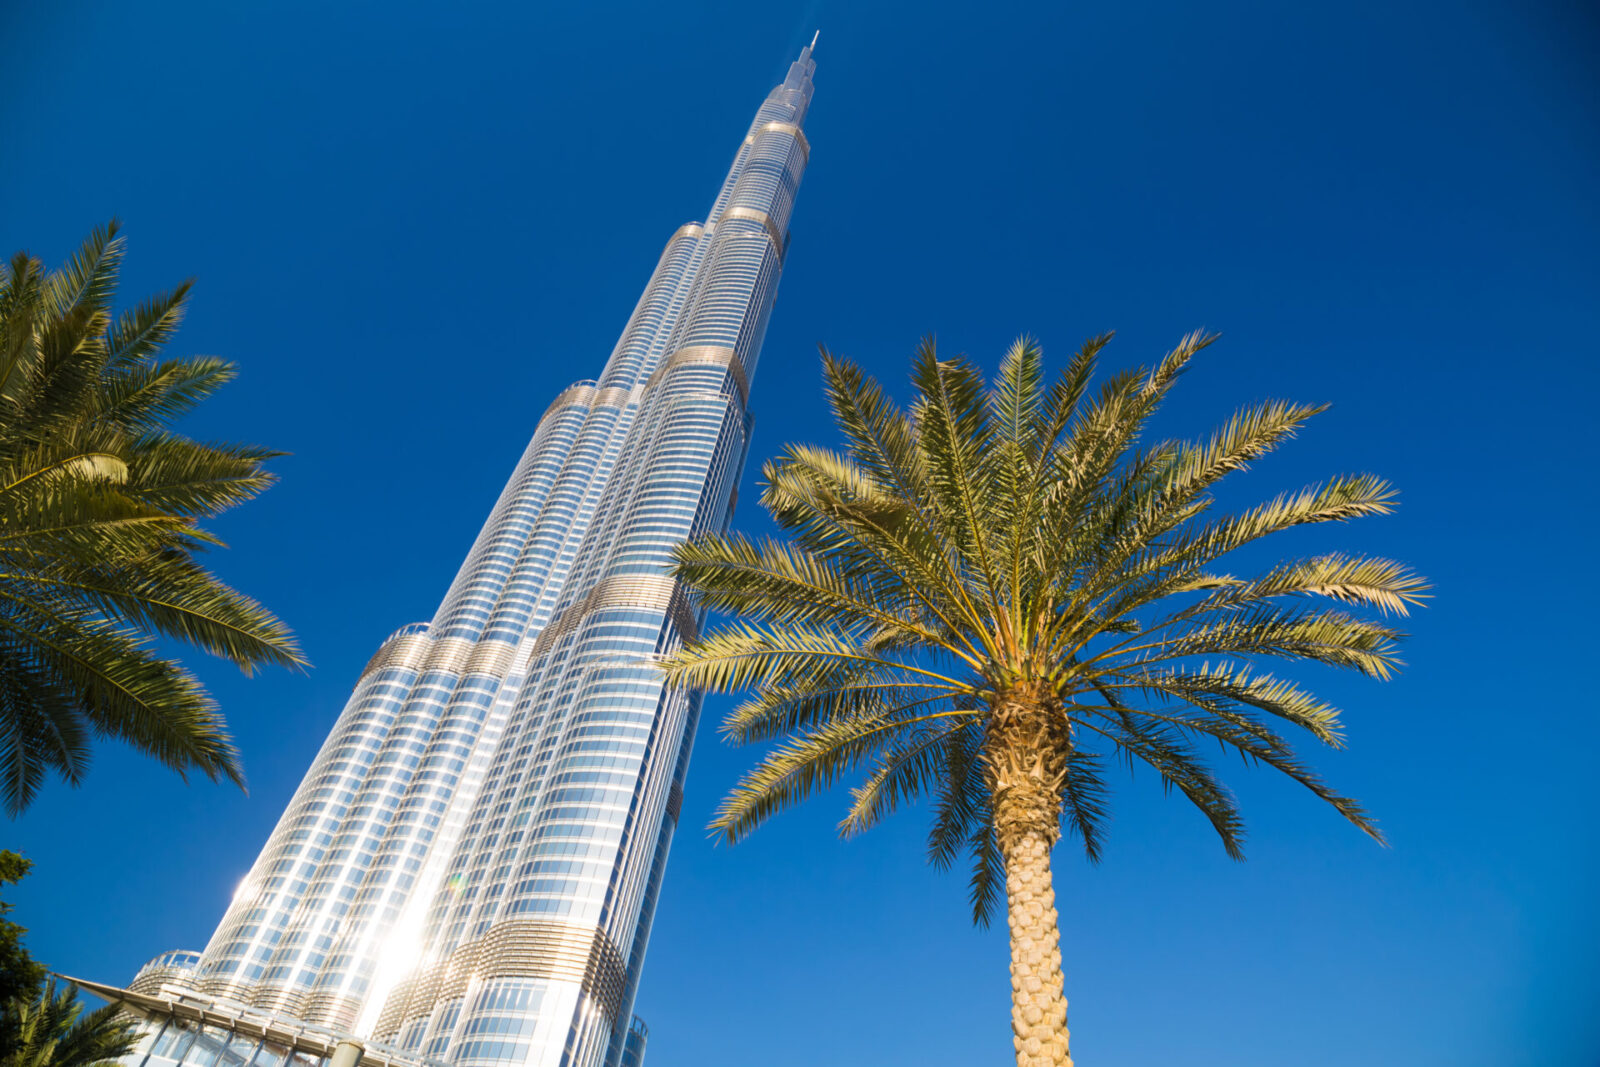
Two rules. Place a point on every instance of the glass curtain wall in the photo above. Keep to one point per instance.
(469, 869)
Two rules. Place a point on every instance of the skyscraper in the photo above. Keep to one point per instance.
(469, 870)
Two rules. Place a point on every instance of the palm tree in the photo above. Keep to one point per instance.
(100, 505)
(51, 1030)
(987, 599)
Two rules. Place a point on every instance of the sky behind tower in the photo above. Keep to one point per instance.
(413, 224)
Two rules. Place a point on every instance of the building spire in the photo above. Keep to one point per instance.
(800, 71)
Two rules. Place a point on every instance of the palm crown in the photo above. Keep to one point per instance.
(100, 505)
(987, 599)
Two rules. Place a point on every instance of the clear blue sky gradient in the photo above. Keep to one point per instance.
(413, 223)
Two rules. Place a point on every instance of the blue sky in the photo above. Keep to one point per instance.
(413, 223)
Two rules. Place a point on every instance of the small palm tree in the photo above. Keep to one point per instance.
(51, 1030)
(100, 504)
(990, 597)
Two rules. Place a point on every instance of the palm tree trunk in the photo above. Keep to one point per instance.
(1026, 756)
(1038, 995)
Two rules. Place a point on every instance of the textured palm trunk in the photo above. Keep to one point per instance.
(1038, 997)
(1027, 765)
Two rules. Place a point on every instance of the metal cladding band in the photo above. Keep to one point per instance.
(584, 394)
(750, 214)
(276, 998)
(151, 979)
(402, 650)
(449, 654)
(491, 657)
(229, 990)
(394, 1011)
(333, 1010)
(581, 393)
(785, 127)
(518, 948)
(661, 594)
(716, 354)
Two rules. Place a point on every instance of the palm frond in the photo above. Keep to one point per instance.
(1141, 739)
(1238, 685)
(810, 761)
(88, 280)
(166, 592)
(847, 690)
(954, 437)
(1383, 584)
(183, 477)
(1086, 801)
(140, 331)
(774, 583)
(148, 396)
(908, 768)
(988, 869)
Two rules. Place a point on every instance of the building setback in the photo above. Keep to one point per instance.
(468, 872)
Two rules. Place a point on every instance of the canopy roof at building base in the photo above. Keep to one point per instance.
(192, 1007)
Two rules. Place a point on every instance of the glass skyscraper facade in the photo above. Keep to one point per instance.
(468, 872)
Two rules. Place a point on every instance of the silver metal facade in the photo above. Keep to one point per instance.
(469, 869)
